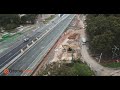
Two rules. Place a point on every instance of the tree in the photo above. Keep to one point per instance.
(9, 21)
(103, 43)
(104, 32)
(29, 18)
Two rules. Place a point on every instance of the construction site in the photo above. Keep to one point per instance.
(67, 48)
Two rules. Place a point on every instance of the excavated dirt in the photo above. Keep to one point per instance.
(59, 52)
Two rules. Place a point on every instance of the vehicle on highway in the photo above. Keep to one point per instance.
(26, 39)
(37, 51)
(60, 15)
(54, 22)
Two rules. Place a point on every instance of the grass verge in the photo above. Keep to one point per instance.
(112, 65)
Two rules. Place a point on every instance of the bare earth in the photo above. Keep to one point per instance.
(71, 38)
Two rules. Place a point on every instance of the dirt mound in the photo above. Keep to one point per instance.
(73, 36)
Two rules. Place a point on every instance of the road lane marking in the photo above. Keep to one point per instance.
(21, 67)
(9, 63)
(16, 46)
(41, 38)
(9, 54)
(33, 56)
(26, 50)
(7, 59)
(45, 48)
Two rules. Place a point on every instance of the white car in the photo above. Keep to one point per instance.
(26, 39)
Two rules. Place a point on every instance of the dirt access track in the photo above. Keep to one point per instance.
(55, 55)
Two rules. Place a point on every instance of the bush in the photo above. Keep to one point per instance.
(103, 32)
(11, 26)
(68, 69)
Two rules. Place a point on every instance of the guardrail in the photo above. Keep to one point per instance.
(28, 48)
(20, 42)
(38, 60)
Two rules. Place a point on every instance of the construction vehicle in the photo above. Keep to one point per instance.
(67, 48)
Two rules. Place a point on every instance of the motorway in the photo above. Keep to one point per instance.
(50, 32)
(7, 57)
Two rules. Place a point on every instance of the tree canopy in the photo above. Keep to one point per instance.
(11, 21)
(104, 32)
(29, 18)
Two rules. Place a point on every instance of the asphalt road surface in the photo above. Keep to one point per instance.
(42, 46)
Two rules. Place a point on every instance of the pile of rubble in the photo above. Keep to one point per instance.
(69, 40)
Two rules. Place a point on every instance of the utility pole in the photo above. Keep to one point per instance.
(114, 51)
(100, 58)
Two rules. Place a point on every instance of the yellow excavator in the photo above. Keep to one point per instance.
(67, 48)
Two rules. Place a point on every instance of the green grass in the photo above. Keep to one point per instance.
(68, 69)
(112, 65)
(13, 38)
(81, 69)
(10, 38)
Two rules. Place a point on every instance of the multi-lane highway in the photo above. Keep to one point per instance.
(7, 57)
(48, 36)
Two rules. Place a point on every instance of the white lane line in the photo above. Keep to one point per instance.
(21, 60)
(29, 28)
(43, 51)
(10, 63)
(8, 59)
(42, 47)
(13, 48)
(29, 48)
(43, 36)
(34, 49)
(21, 67)
(33, 56)
(9, 54)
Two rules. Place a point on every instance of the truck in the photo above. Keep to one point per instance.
(60, 15)
(83, 39)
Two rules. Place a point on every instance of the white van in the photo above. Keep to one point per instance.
(83, 40)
